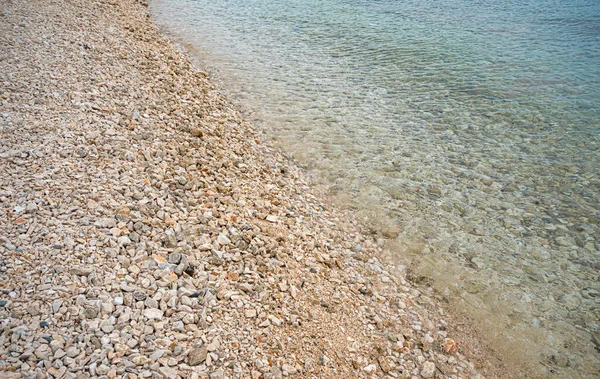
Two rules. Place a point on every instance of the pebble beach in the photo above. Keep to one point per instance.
(147, 230)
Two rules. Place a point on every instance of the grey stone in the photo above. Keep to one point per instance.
(197, 356)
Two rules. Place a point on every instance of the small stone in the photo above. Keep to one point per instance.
(487, 181)
(59, 354)
(428, 370)
(156, 355)
(250, 313)
(171, 240)
(274, 320)
(126, 287)
(106, 326)
(174, 258)
(178, 326)
(197, 356)
(153, 314)
(150, 303)
(31, 207)
(140, 360)
(384, 364)
(450, 346)
(246, 287)
(56, 304)
(370, 369)
(213, 346)
(91, 311)
(391, 233)
(168, 372)
(265, 324)
(159, 259)
(223, 240)
(107, 307)
(189, 318)
(276, 372)
(123, 241)
(102, 369)
(72, 352)
(81, 271)
(288, 369)
(140, 295)
(96, 342)
(177, 350)
(561, 360)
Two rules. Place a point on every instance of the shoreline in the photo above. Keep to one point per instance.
(148, 231)
(460, 323)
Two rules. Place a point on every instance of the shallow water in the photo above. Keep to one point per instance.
(468, 131)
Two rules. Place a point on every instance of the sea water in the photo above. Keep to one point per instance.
(466, 132)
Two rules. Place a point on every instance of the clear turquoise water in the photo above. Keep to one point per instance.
(472, 126)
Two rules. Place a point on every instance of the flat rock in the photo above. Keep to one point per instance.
(168, 372)
(153, 314)
(197, 356)
(428, 370)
